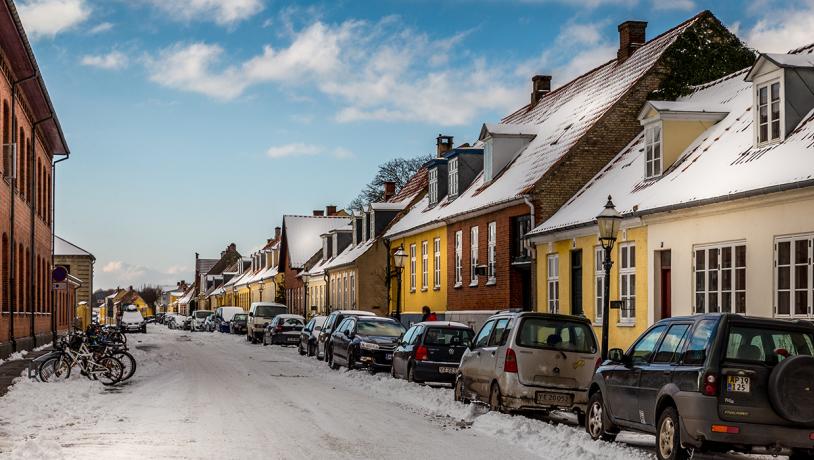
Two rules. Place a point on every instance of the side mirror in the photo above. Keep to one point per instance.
(251, 314)
(616, 355)
(347, 333)
(265, 325)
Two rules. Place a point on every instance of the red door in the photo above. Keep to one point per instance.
(666, 309)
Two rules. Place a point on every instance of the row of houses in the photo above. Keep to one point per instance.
(705, 147)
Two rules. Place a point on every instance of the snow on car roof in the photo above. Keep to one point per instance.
(443, 324)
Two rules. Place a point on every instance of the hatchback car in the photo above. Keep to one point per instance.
(238, 323)
(714, 382)
(308, 335)
(284, 330)
(524, 361)
(198, 319)
(430, 351)
(324, 336)
(364, 341)
(260, 314)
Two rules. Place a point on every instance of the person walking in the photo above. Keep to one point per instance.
(428, 315)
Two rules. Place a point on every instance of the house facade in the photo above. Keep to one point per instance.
(79, 263)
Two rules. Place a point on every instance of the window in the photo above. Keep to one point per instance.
(553, 282)
(699, 343)
(520, 227)
(491, 243)
(412, 267)
(473, 256)
(483, 336)
(458, 258)
(671, 344)
(556, 334)
(599, 282)
(794, 286)
(433, 179)
(502, 330)
(425, 269)
(644, 348)
(627, 281)
(346, 291)
(768, 112)
(767, 345)
(352, 290)
(720, 279)
(453, 177)
(652, 150)
(436, 275)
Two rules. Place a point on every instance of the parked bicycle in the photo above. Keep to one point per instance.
(74, 350)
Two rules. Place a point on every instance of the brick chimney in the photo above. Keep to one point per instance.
(330, 210)
(540, 86)
(443, 144)
(319, 213)
(389, 190)
(277, 233)
(631, 38)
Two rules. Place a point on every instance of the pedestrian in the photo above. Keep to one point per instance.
(428, 314)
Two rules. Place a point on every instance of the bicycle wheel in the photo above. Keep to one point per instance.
(112, 373)
(118, 337)
(54, 369)
(128, 363)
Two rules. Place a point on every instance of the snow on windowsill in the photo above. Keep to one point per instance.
(491, 281)
(626, 323)
(458, 286)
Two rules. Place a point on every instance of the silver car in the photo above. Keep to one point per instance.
(524, 361)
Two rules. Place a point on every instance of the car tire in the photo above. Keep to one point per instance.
(802, 454)
(411, 374)
(458, 391)
(495, 399)
(311, 351)
(597, 423)
(300, 350)
(248, 337)
(331, 362)
(351, 365)
(393, 370)
(265, 343)
(668, 437)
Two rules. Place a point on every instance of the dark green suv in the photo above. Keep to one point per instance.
(716, 382)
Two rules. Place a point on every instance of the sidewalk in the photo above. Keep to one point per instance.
(10, 370)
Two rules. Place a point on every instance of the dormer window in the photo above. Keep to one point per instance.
(768, 112)
(453, 177)
(433, 188)
(652, 150)
(502, 143)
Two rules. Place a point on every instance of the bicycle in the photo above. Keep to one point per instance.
(73, 350)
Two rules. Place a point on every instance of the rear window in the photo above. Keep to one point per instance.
(767, 345)
(379, 328)
(556, 335)
(268, 311)
(447, 336)
(292, 322)
(240, 317)
(201, 314)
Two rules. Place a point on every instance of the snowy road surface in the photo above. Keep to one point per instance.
(201, 395)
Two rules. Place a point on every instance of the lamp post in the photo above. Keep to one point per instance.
(608, 222)
(398, 261)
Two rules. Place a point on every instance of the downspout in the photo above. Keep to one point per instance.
(533, 250)
(53, 241)
(32, 187)
(387, 278)
(327, 293)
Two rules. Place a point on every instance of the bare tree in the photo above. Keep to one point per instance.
(398, 170)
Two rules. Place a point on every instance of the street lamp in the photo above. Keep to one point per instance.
(608, 222)
(399, 257)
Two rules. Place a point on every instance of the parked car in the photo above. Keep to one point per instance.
(187, 324)
(132, 321)
(209, 323)
(176, 321)
(198, 319)
(336, 317)
(159, 318)
(714, 382)
(364, 341)
(260, 314)
(525, 361)
(284, 330)
(223, 315)
(238, 323)
(430, 351)
(308, 335)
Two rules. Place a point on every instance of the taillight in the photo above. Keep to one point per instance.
(421, 353)
(811, 436)
(725, 429)
(709, 386)
(279, 328)
(510, 365)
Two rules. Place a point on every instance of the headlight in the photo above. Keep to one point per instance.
(368, 346)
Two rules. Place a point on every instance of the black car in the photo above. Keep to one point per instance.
(714, 382)
(284, 330)
(364, 341)
(238, 323)
(431, 351)
(309, 335)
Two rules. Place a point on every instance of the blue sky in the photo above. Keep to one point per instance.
(195, 123)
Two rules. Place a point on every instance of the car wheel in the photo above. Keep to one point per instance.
(331, 362)
(393, 371)
(265, 342)
(802, 454)
(495, 399)
(597, 423)
(300, 349)
(350, 363)
(411, 374)
(668, 437)
(459, 390)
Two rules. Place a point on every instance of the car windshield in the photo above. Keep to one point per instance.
(767, 345)
(269, 311)
(379, 328)
(201, 314)
(447, 336)
(240, 317)
(556, 334)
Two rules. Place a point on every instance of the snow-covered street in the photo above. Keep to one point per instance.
(201, 395)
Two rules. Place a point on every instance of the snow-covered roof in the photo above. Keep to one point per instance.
(66, 248)
(302, 235)
(722, 163)
(558, 121)
(388, 206)
(187, 297)
(349, 255)
(682, 107)
(507, 129)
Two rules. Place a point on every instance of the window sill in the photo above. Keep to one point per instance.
(412, 290)
(473, 284)
(626, 323)
(423, 289)
(458, 286)
(491, 282)
(436, 288)
(599, 324)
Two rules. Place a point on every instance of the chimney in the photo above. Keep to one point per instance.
(631, 38)
(318, 213)
(540, 86)
(389, 190)
(330, 210)
(277, 233)
(443, 144)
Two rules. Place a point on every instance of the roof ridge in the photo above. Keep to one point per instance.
(315, 217)
(709, 84)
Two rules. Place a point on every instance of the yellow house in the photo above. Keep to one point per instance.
(424, 275)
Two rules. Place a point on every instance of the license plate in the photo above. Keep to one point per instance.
(553, 399)
(388, 357)
(737, 384)
(447, 370)
(293, 339)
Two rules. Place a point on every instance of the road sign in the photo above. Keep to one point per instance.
(60, 274)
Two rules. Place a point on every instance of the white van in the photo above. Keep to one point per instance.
(223, 315)
(132, 321)
(198, 318)
(260, 314)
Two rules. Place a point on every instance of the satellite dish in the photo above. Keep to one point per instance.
(60, 274)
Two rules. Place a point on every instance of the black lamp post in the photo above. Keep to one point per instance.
(399, 257)
(608, 222)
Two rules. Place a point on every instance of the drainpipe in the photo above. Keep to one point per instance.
(327, 299)
(53, 241)
(527, 200)
(32, 187)
(388, 277)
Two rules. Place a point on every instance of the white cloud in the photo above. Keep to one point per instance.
(581, 34)
(223, 12)
(683, 5)
(101, 27)
(119, 273)
(299, 149)
(783, 30)
(47, 18)
(112, 266)
(188, 67)
(111, 61)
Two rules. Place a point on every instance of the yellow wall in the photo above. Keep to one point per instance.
(339, 298)
(678, 135)
(621, 335)
(436, 299)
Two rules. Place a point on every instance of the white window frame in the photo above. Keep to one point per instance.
(653, 150)
(437, 263)
(492, 253)
(766, 84)
(553, 283)
(433, 187)
(453, 177)
(458, 258)
(412, 267)
(473, 256)
(627, 282)
(793, 266)
(717, 273)
(599, 283)
(425, 261)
